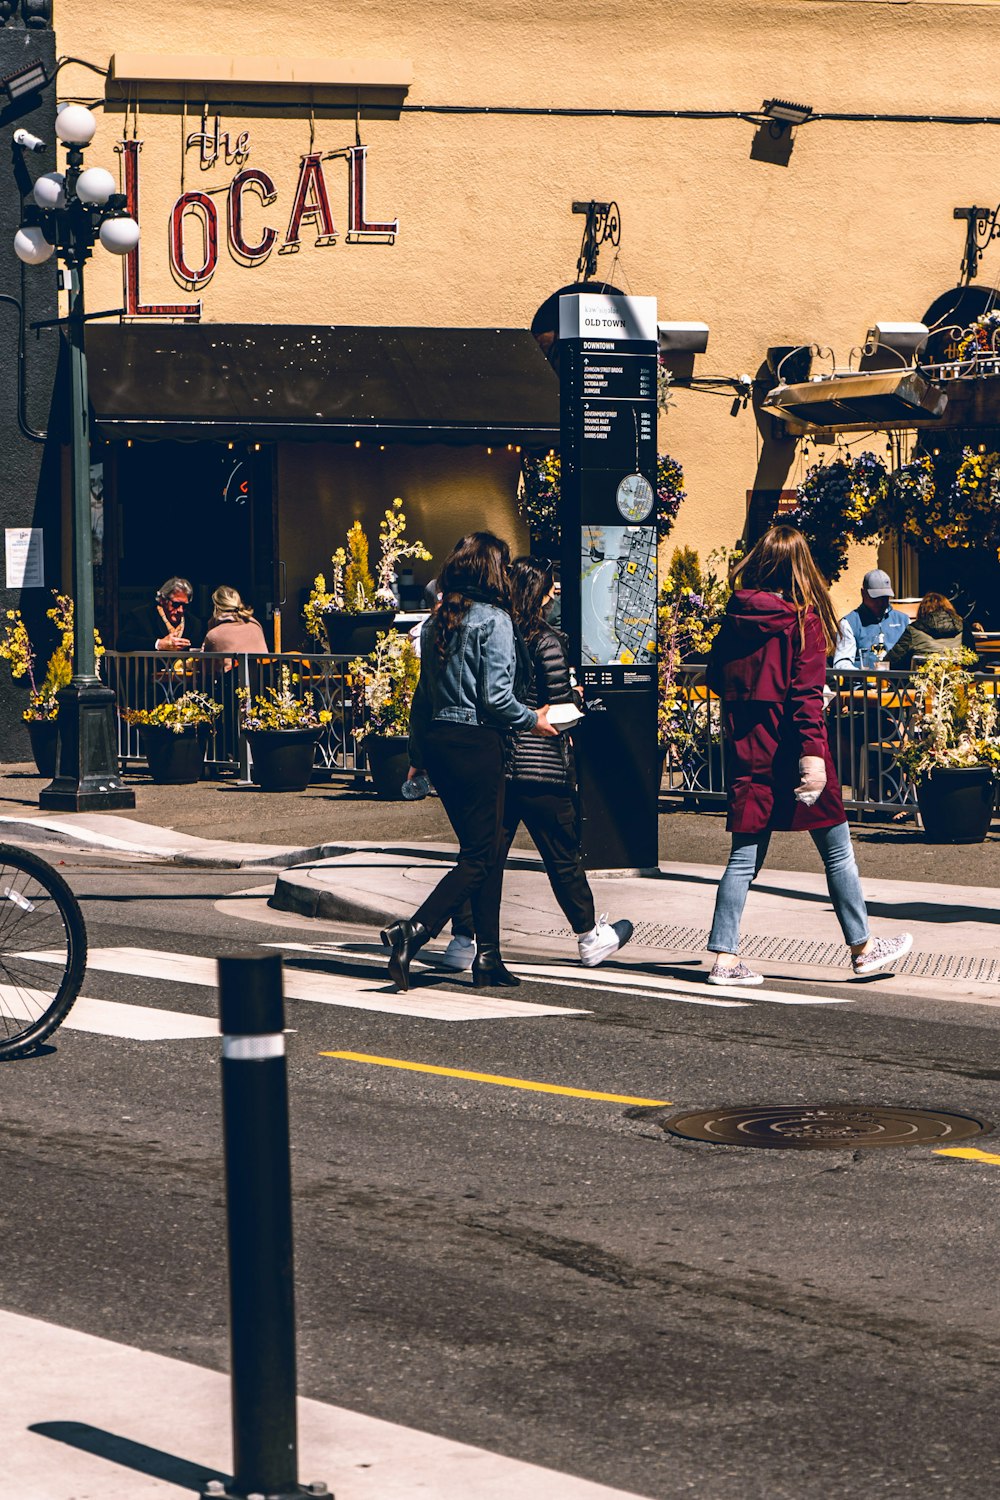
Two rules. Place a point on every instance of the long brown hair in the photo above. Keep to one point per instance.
(531, 579)
(475, 568)
(781, 562)
(931, 603)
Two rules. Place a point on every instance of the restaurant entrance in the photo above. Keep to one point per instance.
(202, 511)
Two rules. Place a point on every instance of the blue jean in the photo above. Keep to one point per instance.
(746, 860)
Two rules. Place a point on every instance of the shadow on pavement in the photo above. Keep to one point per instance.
(129, 1455)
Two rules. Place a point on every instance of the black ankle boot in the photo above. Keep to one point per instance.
(488, 970)
(403, 939)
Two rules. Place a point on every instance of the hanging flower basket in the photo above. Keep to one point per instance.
(539, 491)
(838, 503)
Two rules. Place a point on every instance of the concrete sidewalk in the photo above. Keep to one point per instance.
(380, 857)
(88, 1419)
(789, 930)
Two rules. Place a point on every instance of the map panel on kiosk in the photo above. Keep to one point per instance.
(617, 595)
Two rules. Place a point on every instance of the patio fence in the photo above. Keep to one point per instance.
(142, 679)
(867, 717)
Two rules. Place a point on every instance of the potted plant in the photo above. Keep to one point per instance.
(174, 736)
(950, 750)
(41, 714)
(281, 730)
(357, 606)
(387, 678)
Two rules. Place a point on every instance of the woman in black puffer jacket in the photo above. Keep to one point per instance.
(937, 631)
(541, 774)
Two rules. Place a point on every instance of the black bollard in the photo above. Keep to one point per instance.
(259, 1224)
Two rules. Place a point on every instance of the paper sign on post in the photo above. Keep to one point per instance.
(25, 557)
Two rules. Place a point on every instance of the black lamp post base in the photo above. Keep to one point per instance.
(86, 778)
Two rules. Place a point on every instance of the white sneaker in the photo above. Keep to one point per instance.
(605, 939)
(458, 955)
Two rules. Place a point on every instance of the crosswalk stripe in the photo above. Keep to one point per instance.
(625, 980)
(666, 984)
(322, 989)
(140, 1023)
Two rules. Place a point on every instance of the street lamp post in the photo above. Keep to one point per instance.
(70, 213)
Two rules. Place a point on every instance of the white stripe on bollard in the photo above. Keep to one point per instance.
(253, 1048)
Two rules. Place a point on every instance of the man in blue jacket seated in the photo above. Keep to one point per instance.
(868, 633)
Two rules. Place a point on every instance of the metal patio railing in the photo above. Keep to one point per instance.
(142, 679)
(867, 717)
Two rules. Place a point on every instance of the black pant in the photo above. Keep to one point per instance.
(465, 763)
(550, 813)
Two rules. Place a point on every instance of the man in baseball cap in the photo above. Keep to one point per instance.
(868, 633)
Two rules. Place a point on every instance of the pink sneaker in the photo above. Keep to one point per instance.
(883, 953)
(734, 974)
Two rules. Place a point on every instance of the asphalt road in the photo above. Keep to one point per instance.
(552, 1277)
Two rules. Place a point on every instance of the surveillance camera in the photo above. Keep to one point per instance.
(744, 380)
(27, 141)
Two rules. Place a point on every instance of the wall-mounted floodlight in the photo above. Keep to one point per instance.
(901, 338)
(682, 338)
(26, 80)
(785, 112)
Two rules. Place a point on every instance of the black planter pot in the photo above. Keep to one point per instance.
(282, 758)
(388, 763)
(175, 759)
(355, 634)
(43, 734)
(956, 804)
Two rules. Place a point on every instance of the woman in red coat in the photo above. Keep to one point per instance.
(768, 665)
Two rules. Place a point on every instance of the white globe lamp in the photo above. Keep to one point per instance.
(95, 185)
(49, 190)
(119, 235)
(75, 125)
(31, 246)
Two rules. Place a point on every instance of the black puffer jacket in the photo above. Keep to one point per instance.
(529, 756)
(938, 633)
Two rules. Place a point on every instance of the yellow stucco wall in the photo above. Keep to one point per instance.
(856, 227)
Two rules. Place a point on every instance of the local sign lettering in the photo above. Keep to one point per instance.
(194, 257)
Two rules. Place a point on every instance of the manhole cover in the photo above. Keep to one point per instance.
(816, 1127)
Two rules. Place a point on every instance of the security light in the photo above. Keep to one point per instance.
(787, 113)
(27, 80)
(901, 338)
(682, 338)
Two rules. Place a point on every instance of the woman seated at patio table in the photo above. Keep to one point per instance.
(936, 631)
(232, 626)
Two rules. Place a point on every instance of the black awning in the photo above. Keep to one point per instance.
(269, 381)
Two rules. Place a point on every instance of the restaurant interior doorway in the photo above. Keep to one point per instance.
(202, 511)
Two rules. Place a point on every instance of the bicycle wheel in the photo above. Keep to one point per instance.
(43, 950)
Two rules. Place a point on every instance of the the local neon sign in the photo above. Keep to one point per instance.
(193, 228)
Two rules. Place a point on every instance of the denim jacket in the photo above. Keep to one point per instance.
(475, 682)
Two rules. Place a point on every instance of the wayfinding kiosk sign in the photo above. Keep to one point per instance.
(608, 367)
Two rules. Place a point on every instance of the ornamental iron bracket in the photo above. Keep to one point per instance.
(981, 227)
(603, 226)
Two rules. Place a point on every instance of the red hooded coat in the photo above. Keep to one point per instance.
(772, 706)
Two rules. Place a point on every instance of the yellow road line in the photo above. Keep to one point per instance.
(510, 1083)
(970, 1153)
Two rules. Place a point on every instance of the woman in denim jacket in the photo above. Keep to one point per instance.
(470, 657)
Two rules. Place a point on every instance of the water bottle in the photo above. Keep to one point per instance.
(417, 788)
(880, 653)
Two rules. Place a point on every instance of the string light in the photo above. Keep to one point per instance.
(357, 442)
(489, 450)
